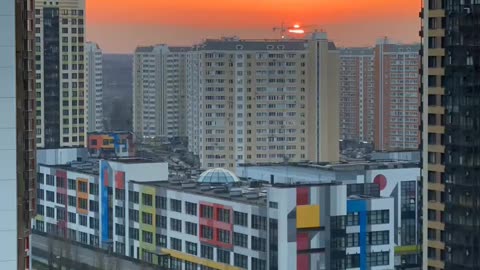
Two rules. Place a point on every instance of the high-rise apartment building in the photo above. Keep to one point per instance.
(94, 68)
(17, 133)
(357, 94)
(397, 99)
(159, 91)
(451, 72)
(379, 95)
(256, 101)
(61, 87)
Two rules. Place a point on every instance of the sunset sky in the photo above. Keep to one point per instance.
(121, 25)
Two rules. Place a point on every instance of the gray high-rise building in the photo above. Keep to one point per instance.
(17, 133)
(94, 70)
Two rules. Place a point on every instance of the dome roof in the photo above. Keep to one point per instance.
(218, 176)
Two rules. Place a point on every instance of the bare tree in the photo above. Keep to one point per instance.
(51, 255)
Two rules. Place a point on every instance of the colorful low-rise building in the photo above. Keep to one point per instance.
(111, 144)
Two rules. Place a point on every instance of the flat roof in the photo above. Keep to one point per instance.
(342, 166)
(91, 166)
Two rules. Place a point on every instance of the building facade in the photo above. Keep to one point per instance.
(451, 68)
(111, 144)
(94, 69)
(17, 133)
(357, 94)
(397, 119)
(159, 91)
(263, 101)
(61, 83)
(397, 180)
(203, 225)
(379, 95)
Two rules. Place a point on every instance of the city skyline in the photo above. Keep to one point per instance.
(188, 22)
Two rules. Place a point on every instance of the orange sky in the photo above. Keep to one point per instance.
(121, 25)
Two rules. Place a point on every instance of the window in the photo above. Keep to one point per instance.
(223, 236)
(378, 238)
(119, 229)
(119, 194)
(147, 237)
(119, 212)
(378, 217)
(273, 204)
(161, 221)
(353, 219)
(40, 210)
(176, 205)
(190, 228)
(258, 264)
(175, 244)
(240, 260)
(40, 194)
(191, 208)
(72, 201)
(352, 240)
(83, 220)
(240, 218)
(223, 256)
(40, 177)
(147, 199)
(61, 214)
(147, 218)
(259, 222)
(223, 215)
(50, 196)
(50, 180)
(93, 189)
(72, 185)
(133, 196)
(94, 206)
(133, 215)
(206, 252)
(83, 237)
(377, 258)
(94, 223)
(161, 240)
(206, 232)
(83, 203)
(175, 225)
(259, 244)
(191, 248)
(61, 198)
(353, 261)
(240, 239)
(134, 234)
(72, 217)
(206, 211)
(160, 202)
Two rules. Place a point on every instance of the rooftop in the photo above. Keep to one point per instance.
(91, 165)
(249, 193)
(343, 166)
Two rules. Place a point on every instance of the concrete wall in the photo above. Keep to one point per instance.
(8, 188)
(60, 156)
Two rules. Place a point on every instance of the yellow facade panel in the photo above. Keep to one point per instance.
(308, 216)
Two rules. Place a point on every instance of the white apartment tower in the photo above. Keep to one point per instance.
(258, 101)
(94, 60)
(159, 91)
(61, 87)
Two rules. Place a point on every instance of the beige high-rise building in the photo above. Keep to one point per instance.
(61, 87)
(259, 101)
(159, 91)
